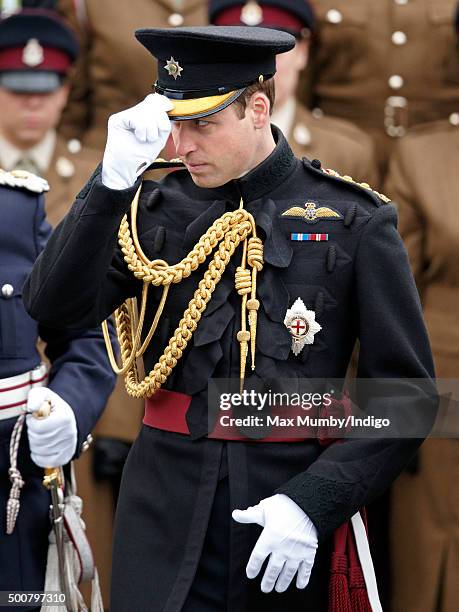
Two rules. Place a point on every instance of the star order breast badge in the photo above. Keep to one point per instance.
(302, 325)
(173, 68)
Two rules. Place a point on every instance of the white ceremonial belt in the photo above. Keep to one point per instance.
(15, 389)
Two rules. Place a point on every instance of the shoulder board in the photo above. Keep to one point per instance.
(375, 195)
(24, 180)
(164, 163)
(349, 179)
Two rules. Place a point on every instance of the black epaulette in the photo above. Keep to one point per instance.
(161, 163)
(315, 166)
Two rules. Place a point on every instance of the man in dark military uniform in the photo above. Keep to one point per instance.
(176, 547)
(77, 387)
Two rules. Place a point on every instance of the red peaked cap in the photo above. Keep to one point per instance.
(37, 49)
(293, 16)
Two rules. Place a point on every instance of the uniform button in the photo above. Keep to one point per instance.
(64, 167)
(334, 16)
(7, 290)
(454, 118)
(317, 113)
(87, 443)
(396, 81)
(399, 38)
(74, 146)
(175, 20)
(316, 163)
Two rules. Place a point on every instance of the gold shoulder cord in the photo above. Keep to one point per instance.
(227, 232)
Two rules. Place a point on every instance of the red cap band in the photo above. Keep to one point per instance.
(54, 60)
(272, 17)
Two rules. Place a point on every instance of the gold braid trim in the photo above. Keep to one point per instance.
(227, 232)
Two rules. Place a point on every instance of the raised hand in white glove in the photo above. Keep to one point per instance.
(135, 137)
(53, 439)
(289, 538)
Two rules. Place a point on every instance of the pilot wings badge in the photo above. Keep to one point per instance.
(311, 213)
(302, 325)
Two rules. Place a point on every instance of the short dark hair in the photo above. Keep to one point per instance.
(266, 87)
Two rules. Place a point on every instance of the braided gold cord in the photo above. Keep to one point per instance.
(243, 284)
(255, 259)
(227, 232)
(124, 328)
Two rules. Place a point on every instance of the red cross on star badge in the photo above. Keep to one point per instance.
(302, 325)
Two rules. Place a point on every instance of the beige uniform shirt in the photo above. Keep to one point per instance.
(387, 65)
(64, 164)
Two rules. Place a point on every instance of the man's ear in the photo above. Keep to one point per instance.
(302, 53)
(259, 107)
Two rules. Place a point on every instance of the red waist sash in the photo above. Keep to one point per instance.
(166, 410)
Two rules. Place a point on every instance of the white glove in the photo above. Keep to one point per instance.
(289, 537)
(53, 439)
(135, 137)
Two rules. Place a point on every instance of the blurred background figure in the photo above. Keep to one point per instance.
(338, 144)
(37, 51)
(26, 444)
(113, 68)
(423, 181)
(385, 64)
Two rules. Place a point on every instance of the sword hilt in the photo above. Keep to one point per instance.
(53, 476)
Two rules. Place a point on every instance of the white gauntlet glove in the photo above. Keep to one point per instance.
(53, 439)
(289, 538)
(135, 137)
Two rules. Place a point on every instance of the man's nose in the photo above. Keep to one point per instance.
(183, 139)
(34, 101)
